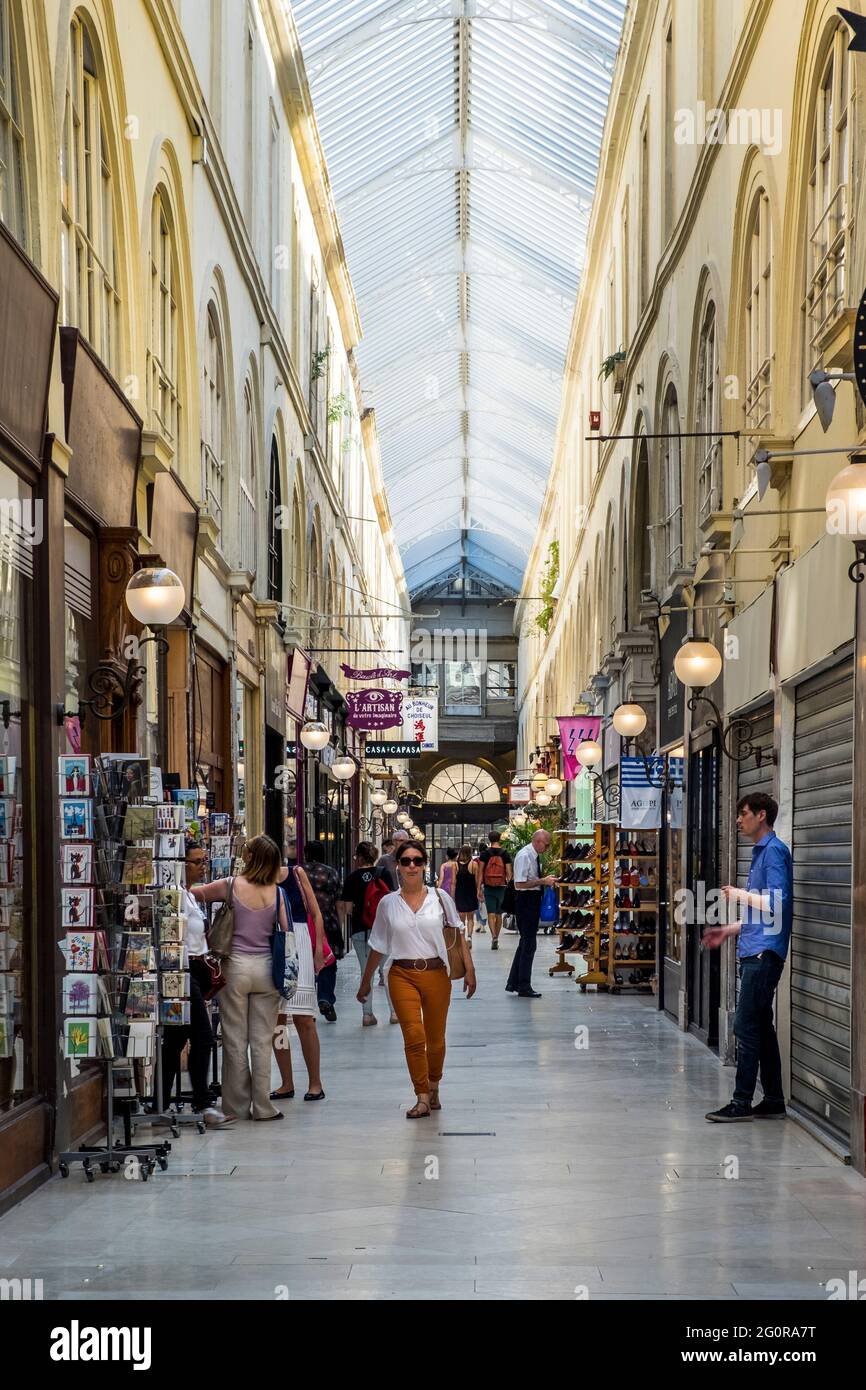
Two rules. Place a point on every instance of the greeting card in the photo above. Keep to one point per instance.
(139, 823)
(79, 1036)
(76, 907)
(76, 818)
(79, 948)
(77, 865)
(175, 984)
(8, 768)
(73, 773)
(138, 865)
(80, 994)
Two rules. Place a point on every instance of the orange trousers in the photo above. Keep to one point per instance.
(420, 999)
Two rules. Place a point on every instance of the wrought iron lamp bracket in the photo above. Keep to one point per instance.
(735, 737)
(111, 694)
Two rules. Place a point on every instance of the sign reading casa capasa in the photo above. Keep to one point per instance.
(392, 750)
(374, 709)
(378, 673)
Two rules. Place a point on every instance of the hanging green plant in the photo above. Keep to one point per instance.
(548, 584)
(320, 361)
(520, 833)
(339, 408)
(608, 366)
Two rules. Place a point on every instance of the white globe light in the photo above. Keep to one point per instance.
(846, 503)
(629, 720)
(343, 768)
(553, 786)
(315, 735)
(542, 799)
(389, 807)
(697, 663)
(378, 797)
(417, 834)
(155, 597)
(409, 824)
(402, 817)
(589, 752)
(539, 780)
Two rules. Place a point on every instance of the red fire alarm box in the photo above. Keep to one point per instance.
(595, 419)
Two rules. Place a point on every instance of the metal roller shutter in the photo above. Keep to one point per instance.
(754, 776)
(821, 941)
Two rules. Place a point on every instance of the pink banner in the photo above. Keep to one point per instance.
(573, 729)
(376, 673)
(374, 709)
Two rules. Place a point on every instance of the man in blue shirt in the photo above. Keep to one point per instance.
(764, 937)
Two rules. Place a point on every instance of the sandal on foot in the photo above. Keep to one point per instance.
(434, 1098)
(419, 1110)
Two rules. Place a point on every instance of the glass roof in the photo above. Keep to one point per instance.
(462, 140)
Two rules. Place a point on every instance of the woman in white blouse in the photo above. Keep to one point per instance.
(409, 930)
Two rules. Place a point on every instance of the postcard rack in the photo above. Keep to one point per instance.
(126, 973)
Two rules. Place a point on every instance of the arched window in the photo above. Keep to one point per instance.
(464, 782)
(213, 421)
(13, 187)
(164, 348)
(640, 551)
(670, 489)
(91, 301)
(759, 315)
(709, 448)
(830, 207)
(247, 485)
(275, 534)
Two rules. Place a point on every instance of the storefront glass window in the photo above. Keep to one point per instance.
(17, 834)
(463, 686)
(80, 638)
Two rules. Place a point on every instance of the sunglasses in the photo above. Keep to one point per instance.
(410, 861)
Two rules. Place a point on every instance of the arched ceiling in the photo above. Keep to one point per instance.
(462, 141)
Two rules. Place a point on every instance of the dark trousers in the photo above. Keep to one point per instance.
(527, 912)
(326, 984)
(757, 1045)
(199, 1034)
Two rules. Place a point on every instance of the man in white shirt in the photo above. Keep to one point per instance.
(529, 883)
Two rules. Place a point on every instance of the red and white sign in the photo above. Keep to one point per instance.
(595, 419)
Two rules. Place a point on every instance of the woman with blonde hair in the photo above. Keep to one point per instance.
(466, 890)
(249, 1003)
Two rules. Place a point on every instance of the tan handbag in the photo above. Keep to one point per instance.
(456, 962)
(220, 933)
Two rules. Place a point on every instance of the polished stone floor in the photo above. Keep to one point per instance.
(554, 1170)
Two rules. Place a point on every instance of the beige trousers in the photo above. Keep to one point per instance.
(248, 1017)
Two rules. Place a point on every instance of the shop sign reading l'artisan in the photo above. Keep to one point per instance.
(374, 709)
(392, 750)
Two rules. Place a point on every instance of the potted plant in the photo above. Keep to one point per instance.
(614, 366)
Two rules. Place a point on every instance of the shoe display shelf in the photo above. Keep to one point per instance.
(591, 855)
(634, 925)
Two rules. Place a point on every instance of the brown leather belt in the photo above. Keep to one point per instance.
(419, 963)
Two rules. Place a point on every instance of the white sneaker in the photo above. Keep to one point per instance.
(215, 1119)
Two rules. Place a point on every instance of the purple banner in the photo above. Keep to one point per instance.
(374, 709)
(573, 729)
(378, 673)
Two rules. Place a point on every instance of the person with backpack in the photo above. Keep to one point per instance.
(495, 874)
(360, 895)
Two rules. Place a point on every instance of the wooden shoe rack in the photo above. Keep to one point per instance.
(599, 859)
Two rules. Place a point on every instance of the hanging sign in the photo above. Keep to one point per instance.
(640, 806)
(377, 673)
(296, 686)
(374, 709)
(390, 750)
(421, 722)
(573, 729)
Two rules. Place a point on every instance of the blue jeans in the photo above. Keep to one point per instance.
(361, 943)
(326, 984)
(757, 1045)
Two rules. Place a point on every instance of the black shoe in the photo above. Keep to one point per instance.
(730, 1114)
(315, 1095)
(769, 1110)
(494, 945)
(509, 989)
(528, 994)
(329, 1012)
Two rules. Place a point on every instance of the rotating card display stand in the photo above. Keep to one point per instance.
(112, 991)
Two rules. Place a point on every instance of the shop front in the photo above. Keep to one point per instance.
(31, 531)
(328, 806)
(671, 727)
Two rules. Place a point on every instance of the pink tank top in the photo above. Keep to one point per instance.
(253, 927)
(448, 877)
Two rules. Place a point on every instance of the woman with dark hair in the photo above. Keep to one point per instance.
(447, 872)
(249, 1002)
(313, 954)
(410, 930)
(466, 890)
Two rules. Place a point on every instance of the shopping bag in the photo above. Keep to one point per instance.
(284, 962)
(549, 905)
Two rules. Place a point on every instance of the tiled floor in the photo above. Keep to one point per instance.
(552, 1172)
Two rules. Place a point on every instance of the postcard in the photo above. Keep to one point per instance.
(173, 955)
(5, 950)
(139, 823)
(174, 1011)
(79, 1035)
(7, 817)
(220, 846)
(76, 818)
(73, 773)
(7, 1036)
(79, 948)
(141, 997)
(8, 766)
(137, 953)
(10, 907)
(169, 902)
(169, 817)
(76, 907)
(175, 984)
(80, 994)
(172, 927)
(77, 863)
(171, 846)
(106, 1037)
(220, 868)
(168, 873)
(188, 798)
(140, 1040)
(138, 865)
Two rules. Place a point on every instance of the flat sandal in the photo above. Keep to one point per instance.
(434, 1098)
(420, 1110)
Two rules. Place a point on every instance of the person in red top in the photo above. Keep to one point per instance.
(494, 873)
